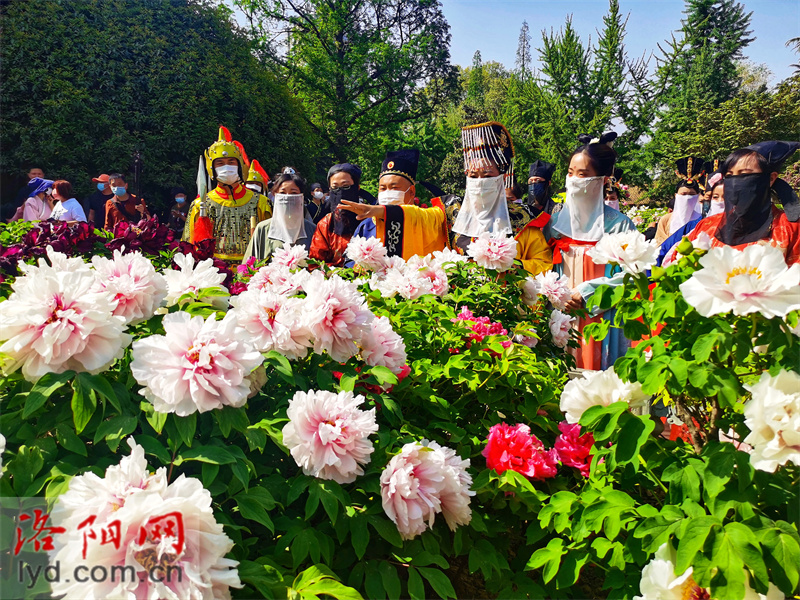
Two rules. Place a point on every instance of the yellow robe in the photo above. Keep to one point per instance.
(533, 250)
(413, 231)
(233, 218)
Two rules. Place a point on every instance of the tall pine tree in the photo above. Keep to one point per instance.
(523, 62)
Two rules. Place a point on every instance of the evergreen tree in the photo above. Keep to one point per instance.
(523, 62)
(475, 81)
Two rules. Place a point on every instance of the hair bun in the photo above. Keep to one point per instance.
(584, 138)
(608, 137)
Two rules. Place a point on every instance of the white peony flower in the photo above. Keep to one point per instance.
(271, 321)
(755, 279)
(530, 291)
(446, 258)
(628, 249)
(773, 416)
(156, 527)
(598, 388)
(133, 282)
(555, 288)
(198, 365)
(369, 253)
(382, 346)
(560, 326)
(423, 480)
(279, 279)
(337, 316)
(495, 253)
(290, 256)
(328, 435)
(192, 278)
(55, 321)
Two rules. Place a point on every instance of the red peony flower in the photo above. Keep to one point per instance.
(573, 448)
(515, 449)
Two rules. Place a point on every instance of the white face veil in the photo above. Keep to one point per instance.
(287, 218)
(484, 208)
(582, 217)
(687, 208)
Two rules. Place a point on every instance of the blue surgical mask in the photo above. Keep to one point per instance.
(180, 199)
(101, 186)
(120, 191)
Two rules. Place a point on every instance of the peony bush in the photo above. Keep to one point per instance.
(398, 429)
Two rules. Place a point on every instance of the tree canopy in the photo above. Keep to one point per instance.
(87, 82)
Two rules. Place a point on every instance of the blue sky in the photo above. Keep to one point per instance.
(492, 26)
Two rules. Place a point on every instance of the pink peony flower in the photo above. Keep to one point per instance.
(555, 288)
(291, 257)
(328, 435)
(446, 259)
(247, 268)
(573, 448)
(495, 253)
(408, 283)
(455, 495)
(159, 526)
(277, 278)
(530, 291)
(55, 321)
(191, 278)
(271, 321)
(560, 326)
(198, 365)
(435, 274)
(369, 253)
(382, 346)
(516, 449)
(133, 283)
(421, 481)
(337, 317)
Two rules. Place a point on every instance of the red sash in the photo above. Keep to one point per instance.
(560, 244)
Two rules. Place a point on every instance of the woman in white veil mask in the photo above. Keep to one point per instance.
(289, 224)
(583, 221)
(489, 167)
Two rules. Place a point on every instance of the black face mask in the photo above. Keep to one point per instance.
(537, 192)
(343, 222)
(748, 209)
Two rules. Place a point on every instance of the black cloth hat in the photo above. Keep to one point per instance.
(349, 168)
(401, 162)
(776, 152)
(542, 169)
(690, 169)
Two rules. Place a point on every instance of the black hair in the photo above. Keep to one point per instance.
(117, 176)
(735, 156)
(671, 203)
(691, 185)
(516, 189)
(315, 186)
(601, 156)
(284, 177)
(177, 190)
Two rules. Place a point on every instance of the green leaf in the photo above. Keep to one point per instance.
(185, 427)
(416, 589)
(67, 438)
(439, 582)
(114, 430)
(156, 419)
(387, 530)
(332, 588)
(782, 556)
(83, 405)
(548, 557)
(43, 389)
(390, 580)
(252, 506)
(100, 384)
(152, 446)
(631, 437)
(602, 420)
(718, 472)
(209, 454)
(359, 535)
(693, 538)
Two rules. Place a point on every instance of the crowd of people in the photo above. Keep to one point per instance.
(249, 214)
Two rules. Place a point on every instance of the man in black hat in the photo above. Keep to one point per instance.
(540, 192)
(405, 229)
(749, 216)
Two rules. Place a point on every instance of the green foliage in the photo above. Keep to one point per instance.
(357, 67)
(86, 82)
